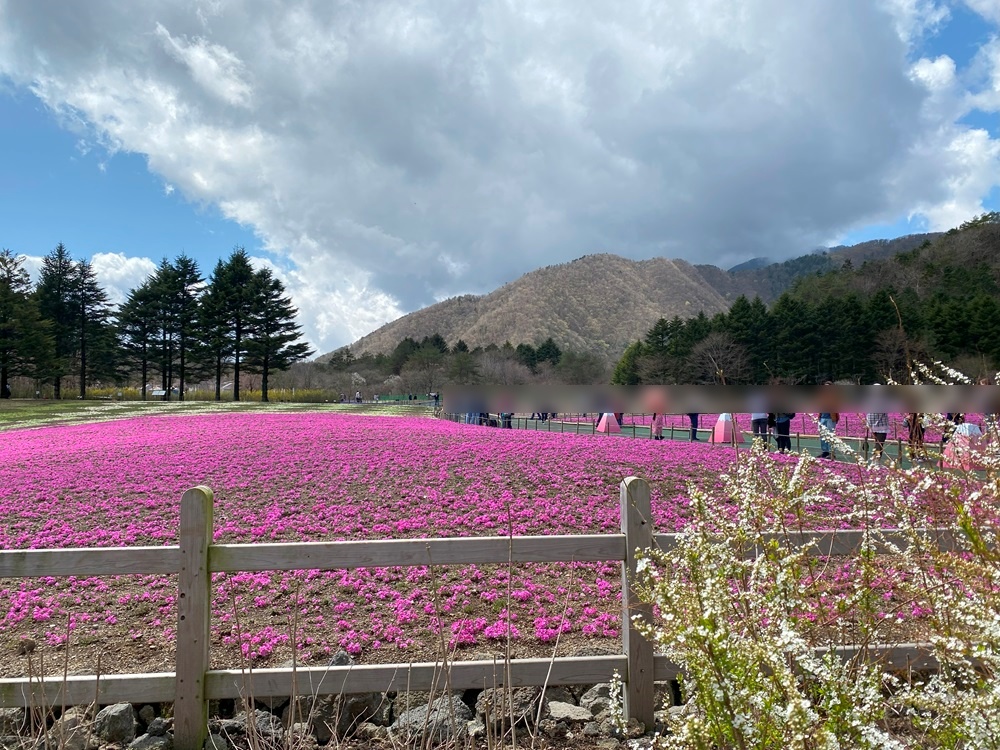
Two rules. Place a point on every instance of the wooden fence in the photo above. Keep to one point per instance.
(195, 558)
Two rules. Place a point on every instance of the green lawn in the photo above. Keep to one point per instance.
(15, 413)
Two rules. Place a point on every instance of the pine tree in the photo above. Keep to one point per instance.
(272, 335)
(175, 287)
(25, 344)
(188, 285)
(54, 295)
(137, 318)
(213, 349)
(232, 296)
(95, 350)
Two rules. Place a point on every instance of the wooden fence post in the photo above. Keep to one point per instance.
(194, 598)
(637, 526)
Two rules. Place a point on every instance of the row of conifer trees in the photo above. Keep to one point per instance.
(176, 328)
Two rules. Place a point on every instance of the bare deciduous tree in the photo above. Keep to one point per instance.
(718, 358)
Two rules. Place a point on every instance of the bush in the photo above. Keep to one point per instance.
(754, 617)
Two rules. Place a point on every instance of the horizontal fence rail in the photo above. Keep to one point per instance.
(195, 558)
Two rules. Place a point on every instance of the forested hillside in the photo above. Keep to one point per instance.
(768, 281)
(859, 322)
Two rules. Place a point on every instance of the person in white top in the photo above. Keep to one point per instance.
(759, 421)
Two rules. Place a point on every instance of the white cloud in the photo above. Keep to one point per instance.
(390, 154)
(988, 9)
(212, 66)
(33, 265)
(118, 274)
(916, 18)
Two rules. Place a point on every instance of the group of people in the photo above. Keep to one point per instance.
(780, 423)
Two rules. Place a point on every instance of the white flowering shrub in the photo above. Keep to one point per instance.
(779, 646)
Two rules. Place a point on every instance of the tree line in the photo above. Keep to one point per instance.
(940, 301)
(430, 363)
(175, 327)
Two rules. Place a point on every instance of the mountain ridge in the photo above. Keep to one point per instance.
(600, 303)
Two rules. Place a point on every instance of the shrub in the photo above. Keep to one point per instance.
(754, 617)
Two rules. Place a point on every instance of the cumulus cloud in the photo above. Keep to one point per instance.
(118, 274)
(391, 154)
(988, 9)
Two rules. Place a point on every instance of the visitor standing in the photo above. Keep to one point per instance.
(759, 422)
(878, 424)
(782, 428)
(657, 428)
(694, 426)
(828, 425)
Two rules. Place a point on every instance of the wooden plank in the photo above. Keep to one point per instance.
(637, 526)
(160, 687)
(373, 678)
(79, 690)
(404, 552)
(193, 620)
(88, 561)
(844, 542)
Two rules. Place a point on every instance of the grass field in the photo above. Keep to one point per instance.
(21, 413)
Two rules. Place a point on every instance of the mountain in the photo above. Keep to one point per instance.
(768, 282)
(598, 303)
(751, 265)
(602, 303)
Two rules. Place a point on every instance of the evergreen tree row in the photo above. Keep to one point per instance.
(938, 302)
(174, 327)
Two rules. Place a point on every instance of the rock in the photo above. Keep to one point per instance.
(597, 699)
(497, 704)
(146, 714)
(298, 710)
(11, 720)
(608, 743)
(561, 694)
(157, 727)
(371, 733)
(341, 659)
(475, 728)
(591, 729)
(259, 723)
(634, 728)
(71, 732)
(445, 720)
(557, 730)
(334, 716)
(409, 700)
(152, 742)
(560, 711)
(116, 724)
(216, 742)
(301, 737)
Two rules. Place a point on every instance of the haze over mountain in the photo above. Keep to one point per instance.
(601, 303)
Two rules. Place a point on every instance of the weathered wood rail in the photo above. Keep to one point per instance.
(195, 558)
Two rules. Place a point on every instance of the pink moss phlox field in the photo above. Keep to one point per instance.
(328, 476)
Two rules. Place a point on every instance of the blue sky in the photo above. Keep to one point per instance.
(56, 188)
(382, 157)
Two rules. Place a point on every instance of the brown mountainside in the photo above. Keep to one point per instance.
(598, 303)
(602, 303)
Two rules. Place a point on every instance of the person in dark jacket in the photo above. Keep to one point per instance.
(694, 426)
